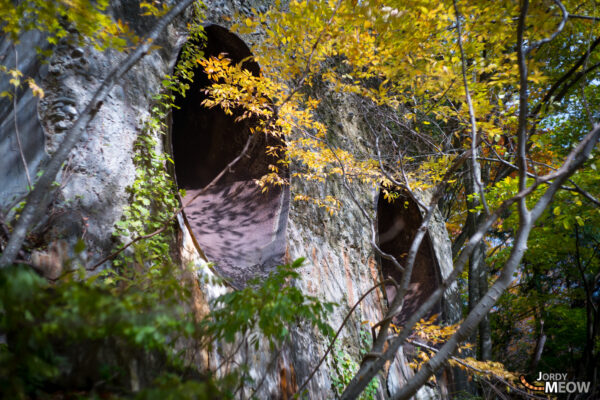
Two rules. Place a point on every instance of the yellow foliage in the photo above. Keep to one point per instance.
(485, 368)
(154, 8)
(431, 335)
(399, 56)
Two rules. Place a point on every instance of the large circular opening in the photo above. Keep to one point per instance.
(398, 223)
(238, 227)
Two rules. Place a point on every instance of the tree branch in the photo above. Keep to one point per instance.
(587, 17)
(364, 375)
(576, 188)
(310, 376)
(575, 159)
(561, 25)
(566, 75)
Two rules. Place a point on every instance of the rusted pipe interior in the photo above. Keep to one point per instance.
(239, 228)
(397, 225)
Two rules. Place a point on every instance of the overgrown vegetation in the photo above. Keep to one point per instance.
(154, 201)
(125, 334)
(345, 367)
(122, 332)
(492, 108)
(488, 107)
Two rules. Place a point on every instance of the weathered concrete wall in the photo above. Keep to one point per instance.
(340, 265)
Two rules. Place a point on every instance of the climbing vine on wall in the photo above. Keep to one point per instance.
(344, 367)
(154, 192)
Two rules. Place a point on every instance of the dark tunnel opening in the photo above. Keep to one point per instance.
(239, 228)
(398, 223)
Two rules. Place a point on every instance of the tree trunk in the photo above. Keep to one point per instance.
(539, 348)
(478, 275)
(485, 331)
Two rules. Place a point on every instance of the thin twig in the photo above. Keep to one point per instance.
(230, 356)
(588, 17)
(576, 188)
(17, 134)
(310, 376)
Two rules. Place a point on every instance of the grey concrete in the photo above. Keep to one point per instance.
(13, 180)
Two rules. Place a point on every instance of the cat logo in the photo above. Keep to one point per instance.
(556, 383)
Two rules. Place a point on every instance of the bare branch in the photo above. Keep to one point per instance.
(364, 375)
(567, 75)
(576, 188)
(17, 133)
(561, 25)
(575, 79)
(337, 333)
(586, 17)
(574, 161)
(364, 212)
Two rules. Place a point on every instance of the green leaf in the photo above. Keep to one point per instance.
(79, 246)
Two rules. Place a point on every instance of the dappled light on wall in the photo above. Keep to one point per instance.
(236, 225)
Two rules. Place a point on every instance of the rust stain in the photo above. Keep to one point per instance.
(348, 278)
(198, 303)
(375, 275)
(199, 306)
(325, 274)
(287, 258)
(287, 379)
(373, 269)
